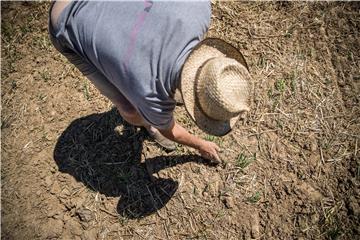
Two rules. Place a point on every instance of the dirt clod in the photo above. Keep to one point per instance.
(52, 229)
(55, 188)
(74, 227)
(89, 234)
(229, 202)
(84, 214)
(310, 192)
(48, 181)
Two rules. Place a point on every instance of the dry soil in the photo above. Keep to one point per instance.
(72, 169)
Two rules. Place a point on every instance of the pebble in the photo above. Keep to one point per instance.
(53, 212)
(48, 181)
(55, 188)
(313, 146)
(214, 187)
(66, 217)
(310, 192)
(84, 214)
(66, 192)
(229, 202)
(53, 169)
(314, 160)
(119, 130)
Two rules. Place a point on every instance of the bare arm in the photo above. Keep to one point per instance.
(180, 135)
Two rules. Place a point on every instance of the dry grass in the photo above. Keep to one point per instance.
(290, 169)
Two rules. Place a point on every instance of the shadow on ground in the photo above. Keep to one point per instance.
(104, 152)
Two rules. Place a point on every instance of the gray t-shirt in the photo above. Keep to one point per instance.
(139, 46)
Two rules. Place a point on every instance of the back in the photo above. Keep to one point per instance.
(139, 46)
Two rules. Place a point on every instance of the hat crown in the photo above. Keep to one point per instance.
(222, 88)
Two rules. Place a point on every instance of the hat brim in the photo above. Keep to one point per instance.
(205, 50)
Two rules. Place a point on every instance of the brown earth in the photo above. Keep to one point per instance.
(72, 169)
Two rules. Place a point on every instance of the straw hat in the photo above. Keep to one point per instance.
(215, 86)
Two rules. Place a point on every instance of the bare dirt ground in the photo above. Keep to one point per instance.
(72, 169)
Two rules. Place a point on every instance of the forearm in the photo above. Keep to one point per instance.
(180, 135)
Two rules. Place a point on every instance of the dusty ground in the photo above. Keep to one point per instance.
(71, 169)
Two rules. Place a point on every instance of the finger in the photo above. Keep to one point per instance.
(206, 155)
(216, 156)
(217, 148)
(210, 156)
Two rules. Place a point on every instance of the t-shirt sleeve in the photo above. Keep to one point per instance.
(157, 113)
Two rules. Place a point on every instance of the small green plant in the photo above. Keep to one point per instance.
(243, 161)
(255, 197)
(279, 124)
(7, 31)
(350, 56)
(4, 123)
(214, 139)
(210, 138)
(293, 78)
(42, 43)
(262, 61)
(289, 32)
(13, 84)
(122, 220)
(45, 75)
(334, 233)
(280, 85)
(86, 90)
(25, 29)
(42, 96)
(217, 140)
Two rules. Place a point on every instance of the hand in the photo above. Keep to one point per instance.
(209, 150)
